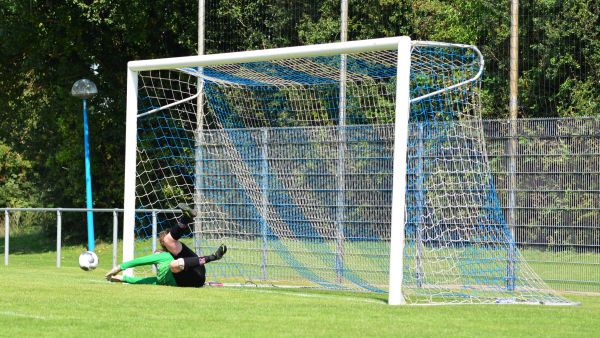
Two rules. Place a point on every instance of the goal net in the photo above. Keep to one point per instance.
(288, 155)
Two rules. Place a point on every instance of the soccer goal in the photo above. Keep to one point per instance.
(352, 166)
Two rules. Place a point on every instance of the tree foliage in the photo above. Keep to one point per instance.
(46, 45)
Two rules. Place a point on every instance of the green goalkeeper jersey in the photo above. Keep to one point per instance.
(164, 276)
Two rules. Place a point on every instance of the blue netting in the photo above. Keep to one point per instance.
(271, 172)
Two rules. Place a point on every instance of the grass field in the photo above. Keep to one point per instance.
(38, 299)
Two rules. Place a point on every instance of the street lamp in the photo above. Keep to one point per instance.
(85, 89)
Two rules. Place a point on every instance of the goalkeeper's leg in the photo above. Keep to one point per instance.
(185, 259)
(191, 261)
(187, 217)
(170, 241)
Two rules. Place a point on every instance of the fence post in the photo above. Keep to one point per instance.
(115, 236)
(265, 199)
(340, 195)
(154, 228)
(341, 168)
(420, 205)
(6, 234)
(513, 111)
(199, 165)
(58, 236)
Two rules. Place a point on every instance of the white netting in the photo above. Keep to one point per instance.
(298, 182)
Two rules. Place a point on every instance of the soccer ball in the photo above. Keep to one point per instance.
(88, 261)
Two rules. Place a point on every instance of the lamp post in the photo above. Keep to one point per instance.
(85, 89)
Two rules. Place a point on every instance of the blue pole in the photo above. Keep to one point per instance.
(88, 181)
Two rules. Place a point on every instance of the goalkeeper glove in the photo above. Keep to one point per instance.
(112, 272)
(220, 251)
(115, 279)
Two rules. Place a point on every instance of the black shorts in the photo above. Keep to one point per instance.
(193, 277)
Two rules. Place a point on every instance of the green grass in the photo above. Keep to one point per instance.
(39, 299)
(556, 267)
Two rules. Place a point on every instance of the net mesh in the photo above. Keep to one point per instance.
(290, 165)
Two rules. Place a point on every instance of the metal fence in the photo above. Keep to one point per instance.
(59, 211)
(557, 195)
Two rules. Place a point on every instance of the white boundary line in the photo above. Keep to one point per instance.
(16, 314)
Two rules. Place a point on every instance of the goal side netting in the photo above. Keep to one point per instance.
(289, 161)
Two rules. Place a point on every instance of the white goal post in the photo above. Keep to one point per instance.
(385, 189)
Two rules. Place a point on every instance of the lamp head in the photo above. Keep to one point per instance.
(84, 89)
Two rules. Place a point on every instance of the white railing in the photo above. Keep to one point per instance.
(59, 212)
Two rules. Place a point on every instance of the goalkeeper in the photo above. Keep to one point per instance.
(178, 265)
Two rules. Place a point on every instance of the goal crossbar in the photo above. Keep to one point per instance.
(267, 54)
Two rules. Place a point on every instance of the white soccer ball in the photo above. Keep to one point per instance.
(88, 260)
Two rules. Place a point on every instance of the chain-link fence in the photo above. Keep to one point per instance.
(557, 204)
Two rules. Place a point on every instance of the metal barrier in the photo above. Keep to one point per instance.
(59, 212)
(555, 188)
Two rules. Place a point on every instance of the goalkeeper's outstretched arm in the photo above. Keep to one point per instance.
(144, 260)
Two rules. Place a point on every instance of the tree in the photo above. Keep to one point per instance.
(46, 47)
